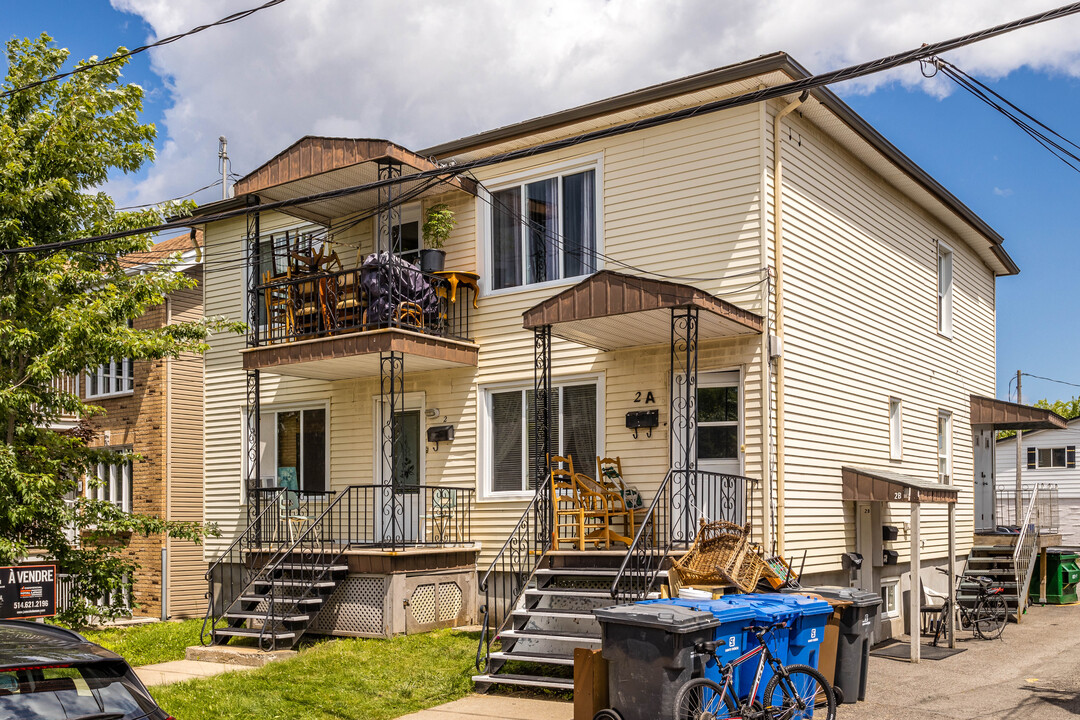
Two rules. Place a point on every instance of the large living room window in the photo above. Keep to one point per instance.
(292, 449)
(511, 447)
(544, 230)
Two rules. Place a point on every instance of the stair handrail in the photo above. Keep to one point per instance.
(517, 559)
(253, 528)
(672, 521)
(311, 559)
(1025, 551)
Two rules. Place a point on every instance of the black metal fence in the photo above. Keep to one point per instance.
(684, 500)
(383, 293)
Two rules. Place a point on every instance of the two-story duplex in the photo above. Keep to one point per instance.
(765, 310)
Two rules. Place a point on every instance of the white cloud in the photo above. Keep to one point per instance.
(1003, 192)
(427, 71)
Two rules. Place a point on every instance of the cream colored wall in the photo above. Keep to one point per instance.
(861, 327)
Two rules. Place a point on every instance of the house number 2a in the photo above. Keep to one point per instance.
(649, 397)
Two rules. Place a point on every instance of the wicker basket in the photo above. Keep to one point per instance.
(717, 554)
(746, 575)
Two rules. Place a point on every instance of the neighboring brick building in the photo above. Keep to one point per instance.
(155, 409)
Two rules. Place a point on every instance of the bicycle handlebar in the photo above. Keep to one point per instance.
(762, 629)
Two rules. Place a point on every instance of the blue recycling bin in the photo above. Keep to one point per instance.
(766, 611)
(731, 634)
(807, 630)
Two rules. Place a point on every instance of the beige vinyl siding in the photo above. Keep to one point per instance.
(186, 569)
(861, 327)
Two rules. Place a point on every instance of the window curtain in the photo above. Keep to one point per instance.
(579, 426)
(542, 198)
(506, 238)
(556, 448)
(579, 223)
(506, 441)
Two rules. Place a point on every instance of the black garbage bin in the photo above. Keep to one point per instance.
(857, 624)
(649, 652)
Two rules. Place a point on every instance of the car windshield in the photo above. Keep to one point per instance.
(106, 689)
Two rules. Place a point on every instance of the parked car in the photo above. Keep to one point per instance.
(50, 673)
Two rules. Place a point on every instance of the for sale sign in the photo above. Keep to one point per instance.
(27, 591)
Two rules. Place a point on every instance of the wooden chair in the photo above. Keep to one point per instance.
(409, 313)
(602, 508)
(609, 475)
(569, 512)
(279, 307)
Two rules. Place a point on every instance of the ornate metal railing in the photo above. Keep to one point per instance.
(381, 294)
(510, 571)
(1005, 505)
(308, 531)
(684, 499)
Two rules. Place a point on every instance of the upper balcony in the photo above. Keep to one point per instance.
(326, 308)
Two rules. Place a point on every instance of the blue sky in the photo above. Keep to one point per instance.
(344, 81)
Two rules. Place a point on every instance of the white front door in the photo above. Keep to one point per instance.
(399, 504)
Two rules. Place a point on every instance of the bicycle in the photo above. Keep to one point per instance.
(985, 620)
(792, 693)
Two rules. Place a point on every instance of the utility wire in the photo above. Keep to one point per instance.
(776, 91)
(120, 56)
(162, 202)
(1060, 382)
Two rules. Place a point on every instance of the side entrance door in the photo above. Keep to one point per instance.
(399, 500)
(718, 447)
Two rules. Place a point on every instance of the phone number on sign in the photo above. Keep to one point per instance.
(31, 604)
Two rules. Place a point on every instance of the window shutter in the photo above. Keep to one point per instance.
(1031, 458)
(1070, 456)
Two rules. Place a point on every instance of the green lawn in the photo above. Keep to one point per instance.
(149, 643)
(334, 680)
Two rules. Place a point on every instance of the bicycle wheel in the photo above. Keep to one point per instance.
(703, 699)
(941, 633)
(804, 694)
(991, 614)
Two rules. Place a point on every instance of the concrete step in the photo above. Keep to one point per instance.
(526, 680)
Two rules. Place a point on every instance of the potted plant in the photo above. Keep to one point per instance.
(438, 222)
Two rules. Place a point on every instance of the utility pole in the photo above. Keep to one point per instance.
(1019, 458)
(223, 161)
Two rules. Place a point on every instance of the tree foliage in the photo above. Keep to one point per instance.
(63, 311)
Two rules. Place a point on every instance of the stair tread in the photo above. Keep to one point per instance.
(550, 635)
(262, 598)
(319, 566)
(547, 658)
(554, 613)
(570, 592)
(255, 632)
(529, 680)
(254, 615)
(592, 572)
(288, 582)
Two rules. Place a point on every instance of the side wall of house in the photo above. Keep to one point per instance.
(1066, 479)
(861, 328)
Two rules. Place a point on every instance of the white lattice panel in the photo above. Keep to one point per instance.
(356, 606)
(449, 606)
(422, 604)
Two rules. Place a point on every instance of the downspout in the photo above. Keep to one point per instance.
(767, 529)
(778, 237)
(168, 471)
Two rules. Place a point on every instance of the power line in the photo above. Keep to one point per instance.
(1060, 382)
(776, 91)
(120, 56)
(162, 202)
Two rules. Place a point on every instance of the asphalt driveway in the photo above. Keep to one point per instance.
(1033, 672)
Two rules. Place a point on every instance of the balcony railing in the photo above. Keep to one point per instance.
(385, 292)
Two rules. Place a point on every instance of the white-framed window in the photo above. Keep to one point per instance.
(944, 288)
(544, 228)
(944, 446)
(294, 448)
(116, 377)
(890, 598)
(115, 484)
(1052, 457)
(509, 447)
(896, 429)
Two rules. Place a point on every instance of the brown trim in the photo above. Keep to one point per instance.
(609, 293)
(868, 485)
(1002, 415)
(365, 343)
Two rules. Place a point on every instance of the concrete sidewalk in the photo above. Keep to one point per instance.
(179, 670)
(502, 707)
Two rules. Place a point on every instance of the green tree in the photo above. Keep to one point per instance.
(62, 311)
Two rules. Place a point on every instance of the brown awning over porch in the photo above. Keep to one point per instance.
(871, 485)
(611, 310)
(1002, 415)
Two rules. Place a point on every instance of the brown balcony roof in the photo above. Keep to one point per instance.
(871, 485)
(1002, 415)
(611, 310)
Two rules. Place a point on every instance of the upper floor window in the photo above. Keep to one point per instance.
(945, 289)
(114, 484)
(543, 230)
(115, 377)
(944, 447)
(896, 429)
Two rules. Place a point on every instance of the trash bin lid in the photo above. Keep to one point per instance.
(804, 604)
(855, 596)
(673, 618)
(720, 608)
(765, 607)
